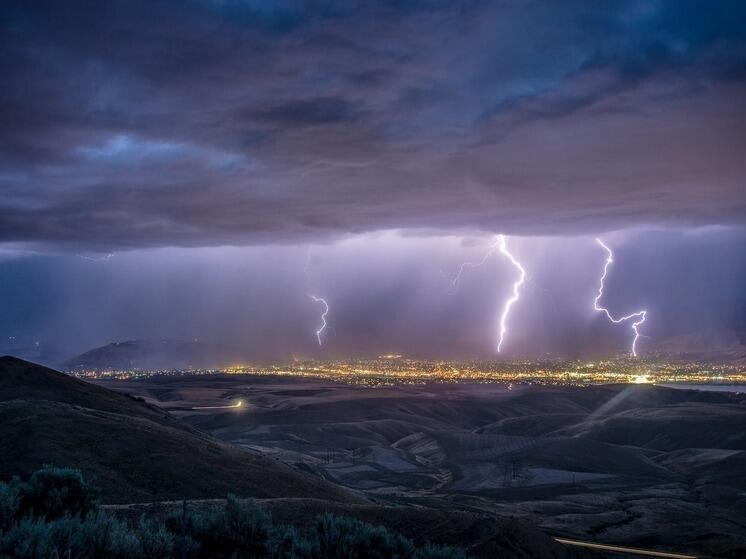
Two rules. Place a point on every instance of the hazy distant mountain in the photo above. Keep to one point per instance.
(154, 355)
(725, 345)
(134, 451)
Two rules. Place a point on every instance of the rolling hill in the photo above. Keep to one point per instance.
(638, 465)
(134, 451)
(145, 460)
(154, 355)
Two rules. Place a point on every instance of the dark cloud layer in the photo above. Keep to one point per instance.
(136, 124)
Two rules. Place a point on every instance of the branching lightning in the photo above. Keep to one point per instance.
(516, 289)
(316, 299)
(493, 248)
(323, 316)
(498, 245)
(639, 315)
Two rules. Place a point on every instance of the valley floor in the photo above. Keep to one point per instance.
(641, 466)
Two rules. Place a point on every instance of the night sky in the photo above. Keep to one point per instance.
(196, 169)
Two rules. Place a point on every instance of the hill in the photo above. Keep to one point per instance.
(138, 453)
(637, 465)
(722, 346)
(133, 450)
(154, 355)
(23, 380)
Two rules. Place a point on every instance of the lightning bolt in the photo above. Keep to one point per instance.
(639, 315)
(516, 289)
(323, 315)
(493, 248)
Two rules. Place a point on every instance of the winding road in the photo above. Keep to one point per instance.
(622, 549)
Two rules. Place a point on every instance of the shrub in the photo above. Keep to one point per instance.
(430, 551)
(341, 537)
(26, 540)
(102, 535)
(54, 492)
(10, 503)
(238, 528)
(155, 540)
(288, 543)
(54, 516)
(99, 536)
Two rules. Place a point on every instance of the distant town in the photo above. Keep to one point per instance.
(391, 370)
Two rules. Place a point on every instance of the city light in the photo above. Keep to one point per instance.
(392, 370)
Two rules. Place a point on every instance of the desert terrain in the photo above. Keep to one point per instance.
(140, 461)
(635, 465)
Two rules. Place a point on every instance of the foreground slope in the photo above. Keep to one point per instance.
(481, 536)
(634, 465)
(133, 450)
(138, 453)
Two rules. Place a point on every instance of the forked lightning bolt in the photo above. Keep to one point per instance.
(323, 316)
(639, 315)
(516, 290)
(493, 247)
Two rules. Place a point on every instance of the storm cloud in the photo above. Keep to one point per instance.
(146, 124)
(386, 293)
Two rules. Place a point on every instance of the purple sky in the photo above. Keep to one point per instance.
(388, 292)
(137, 128)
